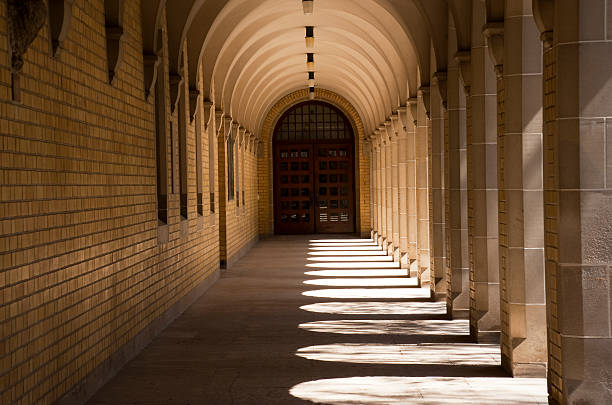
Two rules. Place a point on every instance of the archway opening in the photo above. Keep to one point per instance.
(314, 170)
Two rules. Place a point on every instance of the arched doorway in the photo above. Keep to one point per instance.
(314, 171)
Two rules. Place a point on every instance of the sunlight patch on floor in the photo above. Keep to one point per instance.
(351, 258)
(424, 390)
(355, 265)
(390, 327)
(353, 244)
(341, 240)
(377, 308)
(359, 273)
(371, 293)
(351, 253)
(457, 354)
(373, 248)
(364, 282)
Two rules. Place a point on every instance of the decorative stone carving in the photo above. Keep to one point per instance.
(25, 19)
(60, 17)
(113, 13)
(396, 124)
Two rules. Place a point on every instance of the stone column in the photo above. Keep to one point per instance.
(386, 133)
(395, 218)
(409, 120)
(577, 90)
(478, 76)
(458, 302)
(373, 189)
(520, 215)
(422, 188)
(382, 217)
(438, 231)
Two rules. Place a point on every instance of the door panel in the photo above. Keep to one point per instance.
(334, 187)
(293, 189)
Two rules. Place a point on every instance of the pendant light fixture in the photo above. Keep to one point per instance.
(310, 64)
(311, 81)
(308, 6)
(311, 93)
(309, 37)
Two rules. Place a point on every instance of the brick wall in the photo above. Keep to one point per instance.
(551, 212)
(81, 271)
(505, 343)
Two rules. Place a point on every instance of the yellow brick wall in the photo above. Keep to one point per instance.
(551, 213)
(81, 270)
(505, 340)
(241, 222)
(265, 161)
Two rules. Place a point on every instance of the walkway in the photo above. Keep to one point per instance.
(316, 319)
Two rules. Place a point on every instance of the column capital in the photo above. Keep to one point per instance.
(494, 32)
(389, 129)
(425, 94)
(208, 112)
(218, 121)
(227, 124)
(398, 128)
(412, 106)
(464, 59)
(544, 16)
(439, 79)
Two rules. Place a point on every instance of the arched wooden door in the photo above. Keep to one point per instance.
(314, 181)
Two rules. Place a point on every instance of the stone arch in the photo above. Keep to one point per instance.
(265, 162)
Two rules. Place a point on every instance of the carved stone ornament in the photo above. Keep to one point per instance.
(25, 19)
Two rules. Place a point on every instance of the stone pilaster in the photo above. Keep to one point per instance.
(578, 197)
(422, 187)
(521, 219)
(437, 217)
(482, 187)
(458, 298)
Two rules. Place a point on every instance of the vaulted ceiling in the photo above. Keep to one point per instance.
(375, 53)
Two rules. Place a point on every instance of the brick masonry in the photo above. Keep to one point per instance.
(81, 271)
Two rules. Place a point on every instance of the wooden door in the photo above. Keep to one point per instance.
(334, 187)
(293, 179)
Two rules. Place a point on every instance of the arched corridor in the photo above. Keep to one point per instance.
(275, 201)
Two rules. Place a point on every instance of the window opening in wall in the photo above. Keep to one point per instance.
(182, 132)
(238, 161)
(211, 167)
(230, 168)
(199, 185)
(161, 151)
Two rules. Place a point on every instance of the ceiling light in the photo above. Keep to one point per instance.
(308, 6)
(311, 93)
(309, 37)
(310, 61)
(311, 81)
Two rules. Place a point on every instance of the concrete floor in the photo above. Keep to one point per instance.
(317, 319)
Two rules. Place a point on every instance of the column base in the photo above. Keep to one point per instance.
(523, 370)
(484, 336)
